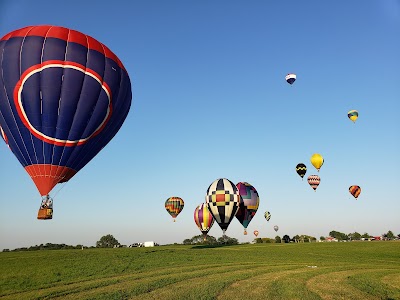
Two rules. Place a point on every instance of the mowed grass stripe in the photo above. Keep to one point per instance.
(120, 287)
(268, 286)
(64, 289)
(370, 282)
(392, 280)
(336, 285)
(142, 287)
(208, 286)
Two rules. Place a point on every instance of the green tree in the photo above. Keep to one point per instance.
(286, 238)
(338, 235)
(187, 241)
(107, 241)
(278, 239)
(390, 235)
(267, 240)
(226, 240)
(366, 235)
(322, 238)
(199, 240)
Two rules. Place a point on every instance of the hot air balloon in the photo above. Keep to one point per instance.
(276, 228)
(248, 206)
(290, 78)
(203, 219)
(313, 181)
(267, 215)
(353, 115)
(256, 233)
(355, 190)
(222, 199)
(317, 161)
(174, 206)
(63, 97)
(301, 169)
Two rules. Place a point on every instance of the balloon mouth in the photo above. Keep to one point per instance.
(46, 176)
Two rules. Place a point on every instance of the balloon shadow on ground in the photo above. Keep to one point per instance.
(212, 246)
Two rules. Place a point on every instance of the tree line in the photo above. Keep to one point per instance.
(210, 240)
(109, 241)
(356, 236)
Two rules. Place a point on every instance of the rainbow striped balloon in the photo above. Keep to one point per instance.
(174, 206)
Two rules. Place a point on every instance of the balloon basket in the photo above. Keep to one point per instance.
(45, 214)
(46, 208)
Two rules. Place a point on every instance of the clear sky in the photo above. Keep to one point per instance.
(210, 101)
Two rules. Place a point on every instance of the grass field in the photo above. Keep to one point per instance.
(357, 270)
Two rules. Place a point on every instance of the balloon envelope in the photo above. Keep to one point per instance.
(63, 97)
(355, 190)
(317, 161)
(256, 233)
(276, 228)
(353, 115)
(301, 169)
(174, 206)
(248, 205)
(267, 215)
(314, 181)
(290, 78)
(203, 218)
(222, 199)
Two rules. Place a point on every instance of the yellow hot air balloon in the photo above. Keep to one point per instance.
(317, 161)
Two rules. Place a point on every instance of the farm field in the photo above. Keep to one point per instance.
(356, 270)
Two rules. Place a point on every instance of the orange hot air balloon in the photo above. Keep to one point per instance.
(256, 233)
(355, 190)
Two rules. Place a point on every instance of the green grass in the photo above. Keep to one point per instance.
(357, 270)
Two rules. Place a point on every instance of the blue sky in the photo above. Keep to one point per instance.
(210, 101)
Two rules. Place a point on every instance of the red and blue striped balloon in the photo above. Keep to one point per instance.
(63, 97)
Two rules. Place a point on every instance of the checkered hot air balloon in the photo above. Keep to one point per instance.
(355, 190)
(222, 199)
(203, 219)
(314, 181)
(248, 206)
(174, 206)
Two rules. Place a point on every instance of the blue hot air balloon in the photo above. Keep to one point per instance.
(63, 97)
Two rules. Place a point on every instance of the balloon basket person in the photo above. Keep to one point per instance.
(46, 208)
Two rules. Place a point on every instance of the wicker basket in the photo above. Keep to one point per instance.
(45, 213)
